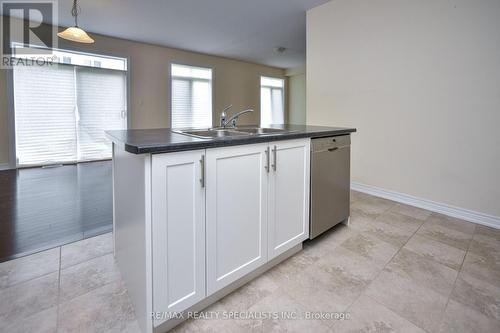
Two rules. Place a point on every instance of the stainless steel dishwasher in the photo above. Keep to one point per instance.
(330, 182)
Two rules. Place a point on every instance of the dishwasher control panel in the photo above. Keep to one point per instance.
(330, 142)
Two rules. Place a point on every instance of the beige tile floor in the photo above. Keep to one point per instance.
(395, 268)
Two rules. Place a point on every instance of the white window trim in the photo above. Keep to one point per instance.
(11, 119)
(11, 116)
(171, 77)
(16, 46)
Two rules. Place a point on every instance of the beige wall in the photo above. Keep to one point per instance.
(420, 80)
(235, 82)
(296, 95)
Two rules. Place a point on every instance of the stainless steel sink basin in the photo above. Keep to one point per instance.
(211, 133)
(260, 130)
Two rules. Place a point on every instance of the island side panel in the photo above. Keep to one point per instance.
(132, 229)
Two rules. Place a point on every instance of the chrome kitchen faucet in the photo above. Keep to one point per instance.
(233, 119)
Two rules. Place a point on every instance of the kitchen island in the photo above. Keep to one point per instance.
(195, 218)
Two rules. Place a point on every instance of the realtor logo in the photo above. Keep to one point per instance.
(23, 32)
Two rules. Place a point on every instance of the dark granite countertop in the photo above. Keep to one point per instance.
(164, 140)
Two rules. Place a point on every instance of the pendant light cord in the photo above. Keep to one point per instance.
(75, 11)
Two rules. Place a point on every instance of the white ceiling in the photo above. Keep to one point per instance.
(241, 29)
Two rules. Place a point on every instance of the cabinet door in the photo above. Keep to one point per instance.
(178, 212)
(236, 213)
(288, 195)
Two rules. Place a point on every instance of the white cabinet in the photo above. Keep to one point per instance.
(236, 221)
(288, 218)
(178, 230)
(257, 206)
(188, 224)
(256, 202)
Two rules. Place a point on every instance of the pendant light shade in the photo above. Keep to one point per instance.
(76, 34)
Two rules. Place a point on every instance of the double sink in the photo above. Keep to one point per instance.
(220, 132)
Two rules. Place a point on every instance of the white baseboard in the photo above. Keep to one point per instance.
(461, 213)
(4, 166)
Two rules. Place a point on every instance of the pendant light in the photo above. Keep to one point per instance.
(75, 34)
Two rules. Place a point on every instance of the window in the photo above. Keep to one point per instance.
(271, 101)
(62, 110)
(191, 97)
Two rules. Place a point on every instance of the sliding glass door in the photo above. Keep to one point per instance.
(44, 106)
(62, 111)
(101, 105)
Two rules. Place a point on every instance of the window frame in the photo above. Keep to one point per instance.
(283, 95)
(171, 77)
(11, 116)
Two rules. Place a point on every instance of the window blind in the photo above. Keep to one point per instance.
(62, 111)
(101, 101)
(191, 97)
(272, 101)
(44, 102)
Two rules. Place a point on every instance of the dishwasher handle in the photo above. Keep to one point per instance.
(333, 149)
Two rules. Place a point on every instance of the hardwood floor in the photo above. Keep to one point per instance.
(45, 208)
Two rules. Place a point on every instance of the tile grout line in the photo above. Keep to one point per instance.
(456, 278)
(376, 219)
(60, 263)
(59, 285)
(54, 271)
(297, 300)
(30, 253)
(437, 240)
(86, 260)
(458, 274)
(399, 227)
(413, 234)
(363, 293)
(28, 280)
(93, 289)
(357, 231)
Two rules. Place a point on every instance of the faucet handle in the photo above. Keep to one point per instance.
(223, 115)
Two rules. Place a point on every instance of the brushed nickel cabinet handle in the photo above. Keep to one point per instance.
(202, 164)
(275, 149)
(267, 160)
